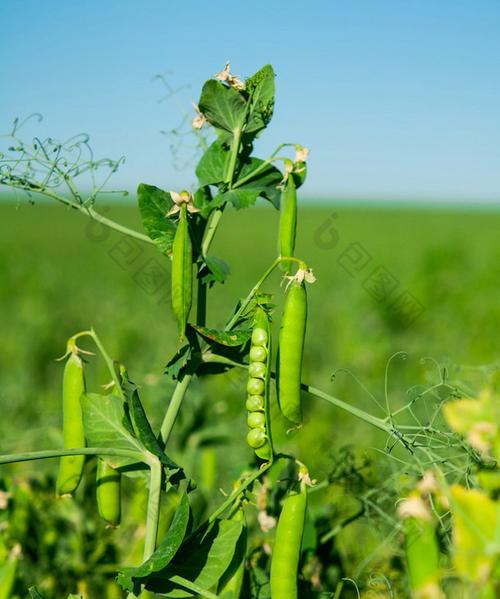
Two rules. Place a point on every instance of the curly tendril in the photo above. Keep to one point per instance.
(49, 166)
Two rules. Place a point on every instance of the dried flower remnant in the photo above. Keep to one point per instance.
(199, 120)
(414, 507)
(233, 80)
(266, 522)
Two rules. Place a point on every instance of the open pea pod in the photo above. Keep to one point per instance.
(259, 373)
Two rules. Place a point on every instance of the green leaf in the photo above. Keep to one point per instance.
(223, 107)
(264, 184)
(212, 166)
(214, 270)
(103, 418)
(154, 204)
(202, 560)
(260, 87)
(204, 202)
(232, 579)
(187, 359)
(299, 173)
(476, 533)
(233, 338)
(176, 366)
(142, 427)
(35, 594)
(128, 577)
(489, 480)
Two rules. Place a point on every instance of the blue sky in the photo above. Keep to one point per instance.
(396, 99)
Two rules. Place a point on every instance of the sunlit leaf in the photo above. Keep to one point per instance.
(103, 417)
(233, 338)
(222, 106)
(260, 87)
(128, 577)
(154, 204)
(202, 560)
(255, 179)
(212, 166)
(215, 270)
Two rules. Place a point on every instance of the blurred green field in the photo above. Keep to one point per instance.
(389, 280)
(61, 274)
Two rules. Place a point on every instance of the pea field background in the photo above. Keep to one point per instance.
(61, 272)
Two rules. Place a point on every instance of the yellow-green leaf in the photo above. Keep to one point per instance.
(476, 533)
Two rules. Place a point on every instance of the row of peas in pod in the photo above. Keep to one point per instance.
(289, 364)
(257, 404)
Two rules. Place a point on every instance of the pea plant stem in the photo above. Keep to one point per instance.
(153, 509)
(213, 223)
(237, 492)
(94, 215)
(211, 228)
(251, 295)
(109, 363)
(173, 408)
(106, 357)
(261, 166)
(361, 414)
(191, 586)
(111, 224)
(57, 453)
(201, 304)
(235, 148)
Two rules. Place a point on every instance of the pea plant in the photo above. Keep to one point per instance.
(217, 556)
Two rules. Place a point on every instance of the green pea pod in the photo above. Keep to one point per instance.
(291, 347)
(422, 557)
(288, 222)
(182, 272)
(208, 469)
(8, 572)
(71, 467)
(287, 545)
(108, 491)
(232, 580)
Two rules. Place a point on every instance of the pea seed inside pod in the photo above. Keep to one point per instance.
(257, 370)
(255, 386)
(256, 438)
(259, 336)
(255, 403)
(258, 353)
(256, 420)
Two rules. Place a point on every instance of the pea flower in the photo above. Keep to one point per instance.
(184, 197)
(301, 153)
